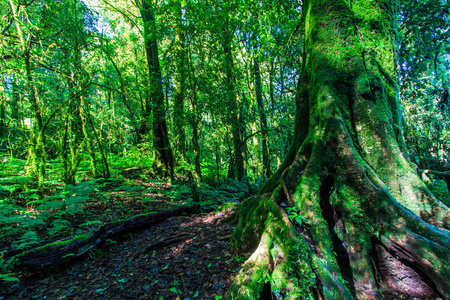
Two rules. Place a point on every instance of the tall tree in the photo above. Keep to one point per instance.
(27, 38)
(345, 216)
(236, 166)
(259, 100)
(163, 157)
(179, 95)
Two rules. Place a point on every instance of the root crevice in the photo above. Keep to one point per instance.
(332, 217)
(402, 276)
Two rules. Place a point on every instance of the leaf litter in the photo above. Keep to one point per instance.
(185, 257)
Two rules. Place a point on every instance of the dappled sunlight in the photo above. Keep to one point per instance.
(132, 132)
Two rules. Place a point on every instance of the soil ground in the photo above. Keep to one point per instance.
(186, 257)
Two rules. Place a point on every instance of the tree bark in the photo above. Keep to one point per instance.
(72, 139)
(2, 118)
(179, 93)
(84, 113)
(162, 156)
(236, 168)
(346, 216)
(36, 151)
(195, 118)
(262, 119)
(195, 137)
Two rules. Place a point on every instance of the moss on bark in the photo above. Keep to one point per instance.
(346, 216)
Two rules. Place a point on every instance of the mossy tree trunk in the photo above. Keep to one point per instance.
(2, 116)
(262, 114)
(236, 168)
(37, 142)
(346, 215)
(162, 155)
(84, 113)
(180, 90)
(37, 149)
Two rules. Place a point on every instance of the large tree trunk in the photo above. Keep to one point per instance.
(346, 216)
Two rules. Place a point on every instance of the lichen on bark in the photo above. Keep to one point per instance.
(346, 216)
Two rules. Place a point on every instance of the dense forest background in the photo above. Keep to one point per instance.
(200, 92)
(76, 87)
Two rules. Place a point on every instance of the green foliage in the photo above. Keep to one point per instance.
(60, 227)
(92, 98)
(9, 277)
(440, 190)
(28, 239)
(425, 82)
(211, 197)
(133, 158)
(10, 166)
(295, 216)
(5, 266)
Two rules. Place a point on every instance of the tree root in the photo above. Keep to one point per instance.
(355, 240)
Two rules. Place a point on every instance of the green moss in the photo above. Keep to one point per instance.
(227, 207)
(251, 217)
(58, 244)
(281, 259)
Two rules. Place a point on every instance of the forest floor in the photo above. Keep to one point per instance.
(186, 257)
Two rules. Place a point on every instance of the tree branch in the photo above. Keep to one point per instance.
(438, 173)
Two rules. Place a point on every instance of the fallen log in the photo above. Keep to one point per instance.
(67, 250)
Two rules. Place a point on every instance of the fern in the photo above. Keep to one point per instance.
(60, 227)
(27, 240)
(91, 223)
(9, 277)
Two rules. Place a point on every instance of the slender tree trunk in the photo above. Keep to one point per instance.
(106, 172)
(271, 85)
(2, 119)
(262, 119)
(84, 113)
(123, 96)
(236, 168)
(346, 216)
(217, 153)
(195, 136)
(194, 118)
(66, 176)
(163, 157)
(146, 109)
(72, 140)
(36, 152)
(145, 120)
(15, 119)
(15, 103)
(69, 163)
(179, 94)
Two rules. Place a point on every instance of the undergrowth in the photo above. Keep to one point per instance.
(34, 213)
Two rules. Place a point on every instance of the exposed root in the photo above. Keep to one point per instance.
(355, 240)
(280, 261)
(398, 275)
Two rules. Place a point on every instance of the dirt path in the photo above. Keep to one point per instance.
(181, 258)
